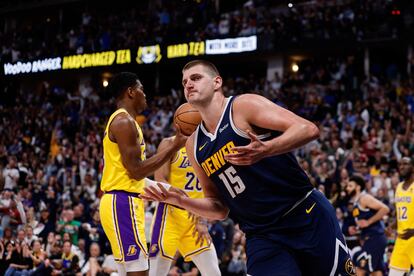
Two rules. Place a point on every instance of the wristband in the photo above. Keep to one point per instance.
(151, 183)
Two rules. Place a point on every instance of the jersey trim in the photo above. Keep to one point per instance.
(214, 135)
(298, 202)
(241, 132)
(195, 144)
(112, 117)
(401, 184)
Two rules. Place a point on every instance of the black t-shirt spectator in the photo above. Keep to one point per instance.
(18, 259)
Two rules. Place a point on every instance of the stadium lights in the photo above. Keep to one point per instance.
(105, 83)
(290, 5)
(295, 67)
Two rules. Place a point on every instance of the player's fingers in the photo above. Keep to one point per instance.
(178, 129)
(235, 156)
(152, 191)
(181, 192)
(192, 217)
(162, 189)
(240, 161)
(241, 149)
(146, 197)
(207, 239)
(252, 136)
(199, 240)
(151, 195)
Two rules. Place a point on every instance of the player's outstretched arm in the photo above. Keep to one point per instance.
(123, 132)
(208, 207)
(372, 203)
(163, 172)
(252, 112)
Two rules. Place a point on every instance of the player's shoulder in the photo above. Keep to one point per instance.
(399, 187)
(122, 122)
(248, 98)
(250, 102)
(122, 118)
(365, 199)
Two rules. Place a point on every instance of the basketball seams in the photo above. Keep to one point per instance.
(177, 118)
(187, 118)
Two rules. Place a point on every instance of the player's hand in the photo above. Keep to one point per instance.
(352, 230)
(389, 231)
(362, 223)
(407, 234)
(193, 217)
(179, 139)
(201, 232)
(250, 154)
(178, 191)
(152, 193)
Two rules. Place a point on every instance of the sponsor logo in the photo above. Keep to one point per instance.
(223, 128)
(200, 148)
(311, 208)
(149, 54)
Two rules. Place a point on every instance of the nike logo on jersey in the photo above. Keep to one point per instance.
(201, 147)
(223, 128)
(310, 209)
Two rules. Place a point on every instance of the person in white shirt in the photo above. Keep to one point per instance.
(11, 174)
(109, 266)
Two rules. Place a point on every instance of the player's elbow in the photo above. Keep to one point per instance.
(386, 209)
(218, 216)
(136, 174)
(312, 131)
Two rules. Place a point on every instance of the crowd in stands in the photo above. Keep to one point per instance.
(120, 27)
(51, 136)
(51, 159)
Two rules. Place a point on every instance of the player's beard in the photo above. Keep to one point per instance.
(352, 193)
(406, 175)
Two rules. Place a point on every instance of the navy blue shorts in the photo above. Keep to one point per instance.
(307, 241)
(371, 256)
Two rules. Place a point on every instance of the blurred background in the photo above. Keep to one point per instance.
(345, 65)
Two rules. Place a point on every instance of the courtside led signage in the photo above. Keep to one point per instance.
(41, 65)
(149, 54)
(89, 60)
(186, 49)
(143, 55)
(231, 45)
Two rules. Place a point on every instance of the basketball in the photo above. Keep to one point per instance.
(187, 118)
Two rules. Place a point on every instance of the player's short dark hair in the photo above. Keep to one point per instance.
(359, 180)
(211, 68)
(121, 82)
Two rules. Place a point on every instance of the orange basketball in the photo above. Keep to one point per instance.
(187, 118)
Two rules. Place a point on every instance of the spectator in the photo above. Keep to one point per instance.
(69, 259)
(109, 266)
(20, 259)
(93, 265)
(11, 174)
(68, 225)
